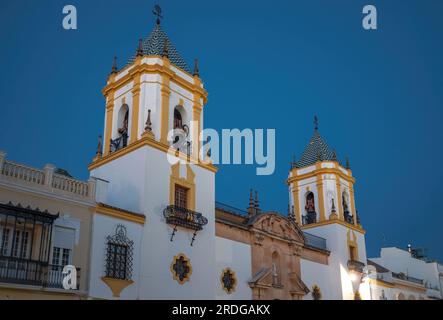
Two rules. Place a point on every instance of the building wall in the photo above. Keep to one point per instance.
(236, 256)
(75, 216)
(140, 182)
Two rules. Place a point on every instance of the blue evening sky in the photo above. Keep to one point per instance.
(265, 64)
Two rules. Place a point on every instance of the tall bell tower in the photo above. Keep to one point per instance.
(321, 189)
(149, 159)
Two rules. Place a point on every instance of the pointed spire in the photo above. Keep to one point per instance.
(348, 166)
(196, 70)
(251, 209)
(114, 66)
(334, 155)
(256, 205)
(148, 125)
(315, 123)
(99, 146)
(140, 48)
(165, 52)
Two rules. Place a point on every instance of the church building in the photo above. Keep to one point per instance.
(146, 225)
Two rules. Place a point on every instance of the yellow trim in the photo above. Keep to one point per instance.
(296, 199)
(157, 69)
(234, 276)
(174, 275)
(187, 183)
(381, 283)
(116, 285)
(147, 141)
(115, 213)
(321, 200)
(109, 118)
(353, 210)
(352, 243)
(135, 104)
(328, 222)
(318, 171)
(339, 199)
(165, 93)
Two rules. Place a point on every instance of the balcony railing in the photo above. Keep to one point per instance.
(45, 179)
(348, 217)
(402, 276)
(119, 143)
(29, 272)
(309, 218)
(315, 241)
(183, 217)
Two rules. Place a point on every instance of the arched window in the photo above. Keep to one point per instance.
(121, 140)
(401, 296)
(178, 119)
(181, 130)
(311, 215)
(276, 279)
(346, 213)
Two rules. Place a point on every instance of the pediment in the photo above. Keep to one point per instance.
(278, 225)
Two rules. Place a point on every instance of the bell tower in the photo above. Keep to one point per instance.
(150, 161)
(321, 189)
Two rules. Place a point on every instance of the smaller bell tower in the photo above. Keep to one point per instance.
(321, 189)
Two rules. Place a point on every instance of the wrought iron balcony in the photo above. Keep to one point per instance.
(348, 217)
(403, 276)
(119, 143)
(309, 218)
(185, 218)
(354, 265)
(315, 241)
(30, 272)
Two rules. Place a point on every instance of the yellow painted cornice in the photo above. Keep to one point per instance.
(381, 283)
(148, 141)
(328, 222)
(120, 214)
(157, 69)
(317, 172)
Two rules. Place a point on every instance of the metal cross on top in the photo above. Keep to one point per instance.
(315, 122)
(158, 13)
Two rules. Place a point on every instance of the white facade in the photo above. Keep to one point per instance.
(402, 262)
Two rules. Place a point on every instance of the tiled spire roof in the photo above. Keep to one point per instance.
(154, 44)
(316, 150)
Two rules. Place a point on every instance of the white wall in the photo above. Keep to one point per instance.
(237, 256)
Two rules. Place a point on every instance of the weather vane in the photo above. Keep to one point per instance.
(158, 13)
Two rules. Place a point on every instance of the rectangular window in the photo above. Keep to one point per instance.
(65, 257)
(56, 256)
(117, 261)
(352, 255)
(181, 197)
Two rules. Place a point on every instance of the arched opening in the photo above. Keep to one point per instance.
(346, 211)
(276, 272)
(121, 140)
(311, 215)
(178, 119)
(181, 130)
(401, 296)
